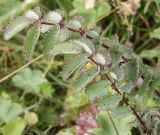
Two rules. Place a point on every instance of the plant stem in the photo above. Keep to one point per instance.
(47, 130)
(157, 93)
(124, 98)
(19, 69)
(82, 33)
(114, 125)
(127, 103)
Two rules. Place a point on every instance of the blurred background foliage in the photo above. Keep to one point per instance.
(35, 100)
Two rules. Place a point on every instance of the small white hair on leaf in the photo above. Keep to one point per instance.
(83, 46)
(99, 58)
(53, 17)
(80, 19)
(31, 15)
(113, 75)
(37, 11)
(74, 24)
(60, 12)
(45, 28)
(16, 26)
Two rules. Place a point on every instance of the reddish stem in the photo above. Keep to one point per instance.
(127, 103)
(82, 32)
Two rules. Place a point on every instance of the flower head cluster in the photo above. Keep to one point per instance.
(87, 120)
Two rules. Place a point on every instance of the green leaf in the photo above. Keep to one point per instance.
(94, 32)
(73, 65)
(74, 103)
(85, 78)
(67, 131)
(104, 9)
(74, 24)
(98, 89)
(80, 19)
(155, 33)
(14, 127)
(147, 80)
(31, 41)
(37, 11)
(107, 128)
(50, 40)
(119, 72)
(33, 82)
(127, 87)
(46, 90)
(115, 55)
(34, 14)
(16, 26)
(53, 17)
(150, 53)
(106, 56)
(121, 112)
(11, 8)
(9, 110)
(63, 35)
(86, 45)
(111, 41)
(109, 102)
(99, 58)
(92, 14)
(132, 71)
(65, 48)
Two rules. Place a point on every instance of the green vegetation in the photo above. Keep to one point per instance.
(80, 67)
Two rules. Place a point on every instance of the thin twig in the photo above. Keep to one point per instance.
(114, 125)
(19, 69)
(157, 93)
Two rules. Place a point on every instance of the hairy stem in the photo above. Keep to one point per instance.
(124, 99)
(127, 103)
(82, 33)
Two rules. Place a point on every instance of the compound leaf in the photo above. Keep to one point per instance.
(9, 110)
(107, 127)
(33, 81)
(14, 127)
